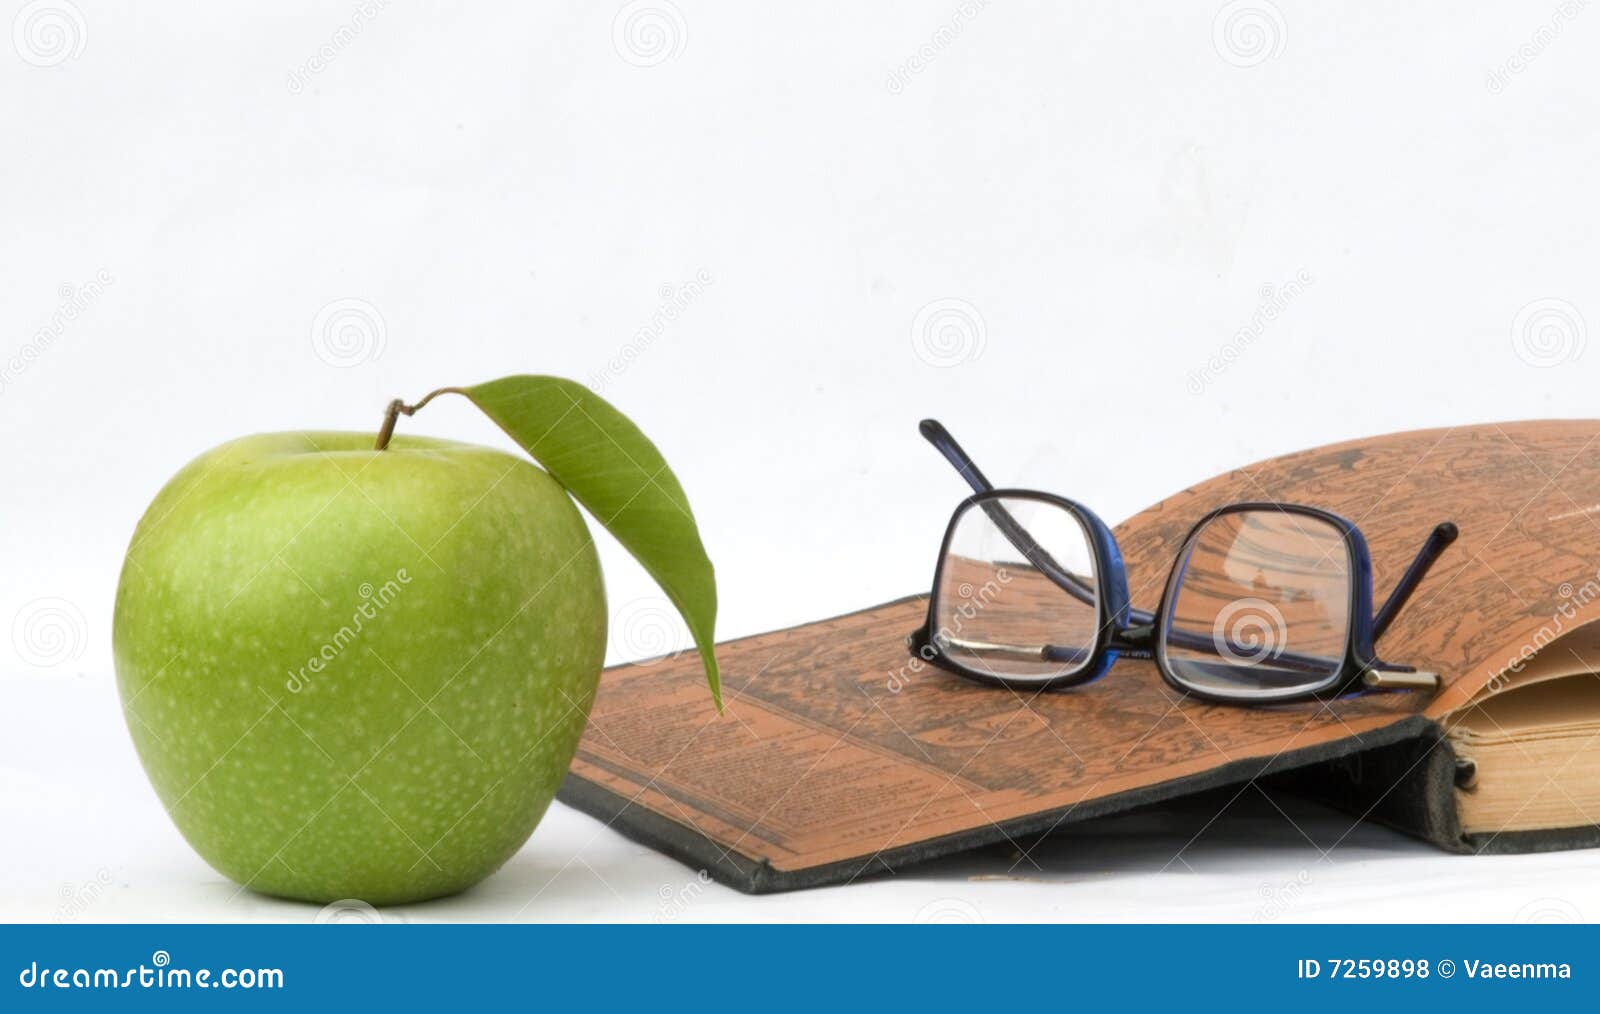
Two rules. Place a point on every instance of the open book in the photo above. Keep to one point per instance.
(839, 757)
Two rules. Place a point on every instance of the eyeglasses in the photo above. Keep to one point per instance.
(1267, 602)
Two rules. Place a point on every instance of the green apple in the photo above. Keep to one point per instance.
(359, 667)
(358, 673)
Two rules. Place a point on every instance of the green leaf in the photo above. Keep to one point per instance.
(614, 470)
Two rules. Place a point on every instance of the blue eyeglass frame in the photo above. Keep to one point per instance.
(1124, 631)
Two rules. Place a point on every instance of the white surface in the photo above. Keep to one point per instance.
(1106, 190)
(94, 845)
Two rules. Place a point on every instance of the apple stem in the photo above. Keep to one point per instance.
(392, 414)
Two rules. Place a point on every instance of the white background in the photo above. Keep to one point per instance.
(1051, 225)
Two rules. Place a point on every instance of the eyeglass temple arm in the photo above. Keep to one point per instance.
(1015, 534)
(940, 438)
(1438, 541)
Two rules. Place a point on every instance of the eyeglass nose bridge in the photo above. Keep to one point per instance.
(1141, 635)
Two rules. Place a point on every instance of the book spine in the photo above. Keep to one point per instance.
(1409, 786)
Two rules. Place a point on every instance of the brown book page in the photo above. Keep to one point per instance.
(834, 755)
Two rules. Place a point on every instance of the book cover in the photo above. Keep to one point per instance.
(840, 756)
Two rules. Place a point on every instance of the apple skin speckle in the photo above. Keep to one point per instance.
(353, 673)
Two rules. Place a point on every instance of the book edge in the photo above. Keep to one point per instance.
(741, 872)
